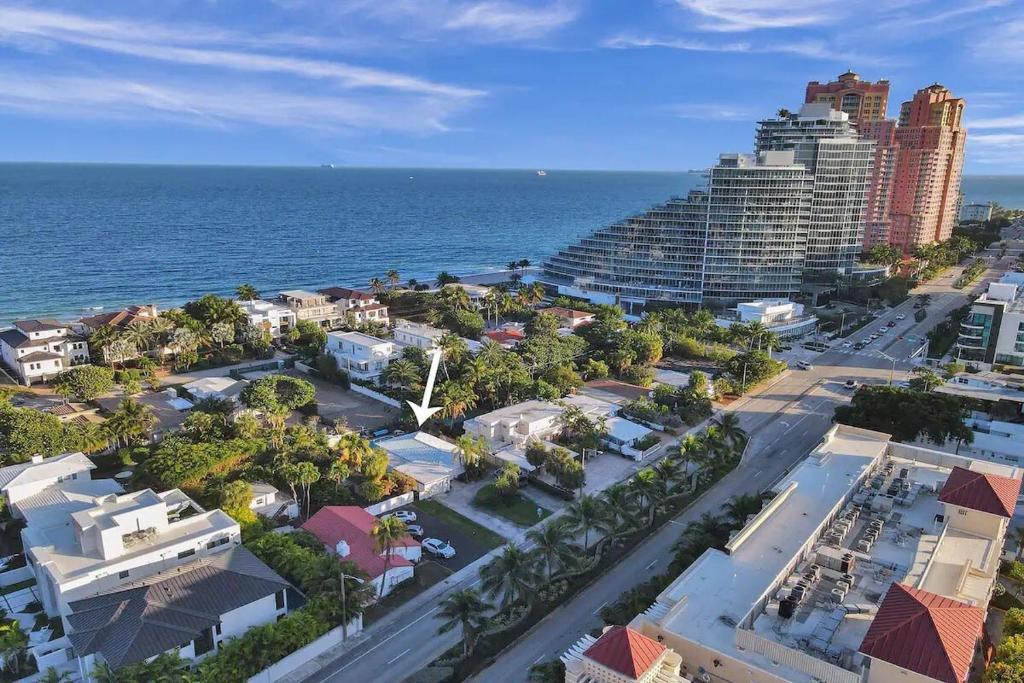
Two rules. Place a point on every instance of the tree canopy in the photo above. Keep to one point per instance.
(906, 414)
(275, 393)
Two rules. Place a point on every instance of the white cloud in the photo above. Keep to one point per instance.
(748, 15)
(1004, 150)
(1015, 121)
(812, 49)
(711, 112)
(511, 20)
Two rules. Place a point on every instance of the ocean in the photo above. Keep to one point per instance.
(85, 235)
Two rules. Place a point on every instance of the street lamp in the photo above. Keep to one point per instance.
(344, 605)
(892, 371)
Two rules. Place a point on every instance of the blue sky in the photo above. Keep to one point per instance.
(597, 84)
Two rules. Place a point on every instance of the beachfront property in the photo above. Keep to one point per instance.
(993, 330)
(781, 316)
(360, 355)
(311, 306)
(423, 336)
(359, 306)
(273, 318)
(569, 318)
(873, 562)
(268, 501)
(39, 350)
(475, 293)
(121, 320)
(346, 531)
(535, 419)
(430, 461)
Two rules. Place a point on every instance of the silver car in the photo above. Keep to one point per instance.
(439, 548)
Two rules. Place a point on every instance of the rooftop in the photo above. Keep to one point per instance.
(43, 325)
(625, 651)
(354, 525)
(982, 491)
(335, 293)
(39, 469)
(300, 294)
(218, 385)
(422, 456)
(358, 338)
(55, 503)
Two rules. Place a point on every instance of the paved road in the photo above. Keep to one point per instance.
(785, 421)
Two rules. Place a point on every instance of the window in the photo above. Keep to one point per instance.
(217, 628)
(186, 553)
(123, 574)
(204, 643)
(216, 542)
(279, 599)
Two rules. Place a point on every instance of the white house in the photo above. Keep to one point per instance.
(221, 388)
(360, 355)
(310, 306)
(362, 306)
(346, 530)
(425, 337)
(519, 423)
(569, 318)
(781, 316)
(193, 609)
(267, 315)
(268, 501)
(39, 350)
(26, 479)
(79, 545)
(430, 461)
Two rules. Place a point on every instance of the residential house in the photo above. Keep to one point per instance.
(220, 388)
(535, 419)
(425, 337)
(569, 318)
(79, 544)
(363, 307)
(346, 530)
(39, 350)
(621, 655)
(507, 336)
(274, 318)
(310, 306)
(192, 609)
(854, 571)
(26, 479)
(360, 355)
(72, 412)
(431, 462)
(117, 319)
(268, 501)
(168, 408)
(624, 436)
(475, 293)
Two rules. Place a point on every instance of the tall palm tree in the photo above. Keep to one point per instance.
(386, 533)
(553, 543)
(91, 438)
(338, 471)
(648, 487)
(393, 277)
(587, 514)
(467, 609)
(621, 504)
(471, 451)
(668, 471)
(139, 333)
(453, 349)
(512, 265)
(739, 507)
(401, 373)
(131, 421)
(512, 575)
(730, 430)
(377, 285)
(456, 399)
(246, 292)
(353, 448)
(101, 339)
(308, 475)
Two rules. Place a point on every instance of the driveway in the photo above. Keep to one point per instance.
(468, 547)
(460, 499)
(358, 411)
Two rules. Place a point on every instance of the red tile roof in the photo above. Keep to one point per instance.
(505, 336)
(981, 491)
(570, 313)
(925, 633)
(346, 293)
(622, 649)
(353, 525)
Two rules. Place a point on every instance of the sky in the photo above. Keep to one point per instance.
(552, 84)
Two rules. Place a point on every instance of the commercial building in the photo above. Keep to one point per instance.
(360, 355)
(827, 144)
(993, 330)
(781, 316)
(926, 186)
(274, 319)
(872, 562)
(743, 237)
(976, 212)
(39, 350)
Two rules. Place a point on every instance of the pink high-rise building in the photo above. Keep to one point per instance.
(929, 165)
(861, 100)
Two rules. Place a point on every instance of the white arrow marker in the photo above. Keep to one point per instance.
(424, 411)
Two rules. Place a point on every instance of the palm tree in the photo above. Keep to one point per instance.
(668, 471)
(13, 642)
(453, 348)
(512, 266)
(308, 474)
(925, 379)
(524, 263)
(456, 398)
(386, 533)
(393, 277)
(729, 428)
(512, 574)
(352, 448)
(101, 339)
(401, 373)
(54, 676)
(706, 530)
(587, 514)
(91, 438)
(246, 292)
(649, 488)
(739, 507)
(138, 333)
(131, 421)
(621, 504)
(446, 278)
(377, 285)
(464, 608)
(1018, 536)
(552, 543)
(338, 472)
(344, 584)
(471, 451)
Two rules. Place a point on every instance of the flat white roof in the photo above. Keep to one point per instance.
(220, 385)
(422, 456)
(623, 430)
(359, 338)
(46, 468)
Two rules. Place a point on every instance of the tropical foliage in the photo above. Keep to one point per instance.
(907, 414)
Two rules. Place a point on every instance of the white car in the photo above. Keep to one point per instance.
(439, 548)
(847, 344)
(851, 384)
(883, 330)
(406, 516)
(414, 530)
(901, 317)
(804, 365)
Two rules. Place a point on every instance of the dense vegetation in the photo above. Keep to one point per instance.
(907, 414)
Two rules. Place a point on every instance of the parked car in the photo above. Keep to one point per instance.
(851, 384)
(804, 365)
(858, 346)
(892, 324)
(900, 316)
(406, 516)
(439, 548)
(414, 530)
(847, 344)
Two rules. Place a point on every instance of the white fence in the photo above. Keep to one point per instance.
(391, 503)
(13, 576)
(375, 395)
(328, 641)
(777, 652)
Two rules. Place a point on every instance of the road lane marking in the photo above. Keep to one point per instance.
(400, 655)
(538, 659)
(601, 605)
(653, 562)
(385, 640)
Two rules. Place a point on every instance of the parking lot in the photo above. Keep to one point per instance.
(470, 540)
(360, 412)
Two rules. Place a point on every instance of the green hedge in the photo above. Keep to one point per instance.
(177, 462)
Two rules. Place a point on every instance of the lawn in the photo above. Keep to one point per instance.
(481, 534)
(518, 508)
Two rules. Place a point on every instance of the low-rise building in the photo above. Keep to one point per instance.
(360, 355)
(39, 350)
(167, 407)
(26, 479)
(508, 336)
(268, 501)
(781, 316)
(522, 422)
(424, 336)
(976, 212)
(431, 462)
(193, 609)
(621, 655)
(569, 318)
(218, 388)
(347, 531)
(356, 305)
(873, 562)
(273, 318)
(311, 306)
(990, 387)
(117, 319)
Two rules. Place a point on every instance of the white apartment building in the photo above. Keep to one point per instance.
(266, 315)
(80, 544)
(781, 316)
(310, 306)
(519, 423)
(360, 355)
(976, 212)
(39, 350)
(874, 562)
(362, 306)
(993, 330)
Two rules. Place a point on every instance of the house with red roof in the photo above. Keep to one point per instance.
(979, 501)
(569, 318)
(508, 336)
(347, 531)
(621, 655)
